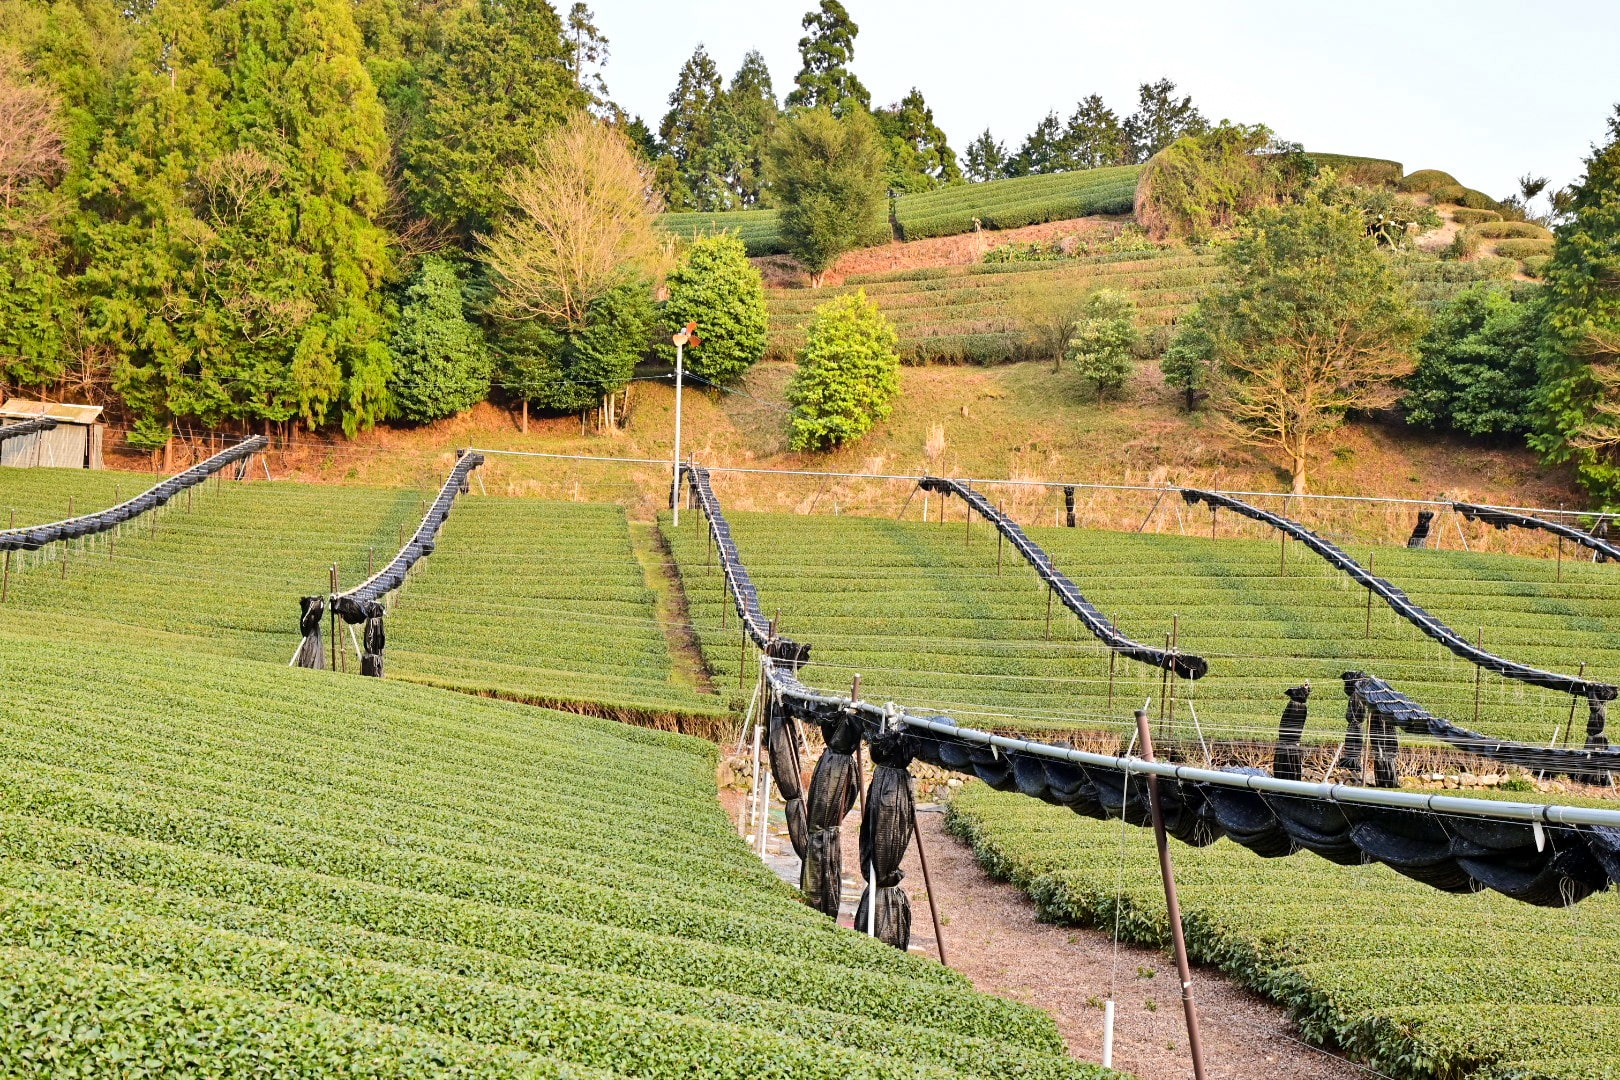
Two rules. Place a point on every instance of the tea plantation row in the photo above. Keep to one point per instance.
(1417, 983)
(927, 621)
(212, 866)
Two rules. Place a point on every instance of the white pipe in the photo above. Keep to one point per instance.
(753, 785)
(1108, 1034)
(871, 900)
(765, 814)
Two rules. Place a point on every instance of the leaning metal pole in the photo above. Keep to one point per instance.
(1172, 905)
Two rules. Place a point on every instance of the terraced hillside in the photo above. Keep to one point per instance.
(1418, 983)
(927, 621)
(969, 313)
(226, 868)
(537, 601)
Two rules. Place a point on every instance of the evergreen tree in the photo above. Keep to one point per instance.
(985, 159)
(717, 287)
(693, 164)
(236, 255)
(1578, 417)
(827, 176)
(1094, 137)
(441, 362)
(848, 374)
(1041, 152)
(920, 159)
(590, 54)
(1161, 118)
(748, 114)
(1476, 370)
(826, 51)
(495, 76)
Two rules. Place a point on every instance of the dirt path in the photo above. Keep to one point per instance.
(658, 567)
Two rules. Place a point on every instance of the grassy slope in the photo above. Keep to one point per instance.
(926, 620)
(250, 869)
(1422, 984)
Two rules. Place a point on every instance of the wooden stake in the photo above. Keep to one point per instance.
(1560, 576)
(1368, 633)
(1049, 592)
(332, 580)
(1172, 904)
(1282, 558)
(742, 656)
(928, 883)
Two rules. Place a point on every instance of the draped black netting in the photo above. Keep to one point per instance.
(311, 613)
(26, 427)
(832, 793)
(782, 740)
(886, 826)
(363, 603)
(1068, 505)
(1597, 540)
(1420, 531)
(34, 537)
(1290, 761)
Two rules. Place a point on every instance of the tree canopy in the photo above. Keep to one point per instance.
(824, 80)
(827, 176)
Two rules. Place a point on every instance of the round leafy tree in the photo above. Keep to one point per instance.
(1104, 334)
(849, 373)
(718, 288)
(441, 362)
(1476, 371)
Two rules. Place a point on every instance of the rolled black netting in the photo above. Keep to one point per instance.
(311, 613)
(1597, 721)
(1420, 531)
(886, 826)
(34, 537)
(1290, 760)
(1597, 540)
(1068, 505)
(782, 739)
(362, 604)
(26, 427)
(833, 788)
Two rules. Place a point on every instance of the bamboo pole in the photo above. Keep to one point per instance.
(928, 883)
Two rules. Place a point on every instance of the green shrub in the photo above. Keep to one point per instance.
(1103, 337)
(1201, 184)
(1464, 216)
(848, 374)
(1428, 181)
(1372, 172)
(1511, 230)
(1476, 372)
(718, 288)
(1523, 249)
(827, 175)
(1464, 245)
(1535, 265)
(442, 364)
(1477, 200)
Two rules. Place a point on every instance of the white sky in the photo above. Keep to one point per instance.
(1484, 89)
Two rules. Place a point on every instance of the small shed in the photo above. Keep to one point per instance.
(74, 443)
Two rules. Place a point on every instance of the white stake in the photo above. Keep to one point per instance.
(753, 787)
(765, 814)
(1108, 1034)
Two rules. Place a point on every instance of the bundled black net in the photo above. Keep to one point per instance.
(1068, 504)
(782, 740)
(1420, 531)
(833, 787)
(886, 827)
(311, 613)
(362, 604)
(34, 537)
(1290, 761)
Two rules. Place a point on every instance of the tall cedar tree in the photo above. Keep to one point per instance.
(920, 158)
(1309, 322)
(748, 114)
(1095, 137)
(826, 51)
(495, 77)
(236, 259)
(590, 54)
(1161, 118)
(827, 176)
(441, 361)
(985, 158)
(692, 169)
(1042, 150)
(1578, 418)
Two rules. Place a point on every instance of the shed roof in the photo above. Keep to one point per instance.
(23, 409)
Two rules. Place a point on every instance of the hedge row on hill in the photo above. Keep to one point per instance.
(1360, 170)
(297, 873)
(1416, 984)
(1025, 200)
(927, 620)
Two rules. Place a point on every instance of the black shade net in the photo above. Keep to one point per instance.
(1539, 854)
(34, 537)
(26, 427)
(1596, 540)
(1183, 664)
(1404, 607)
(363, 603)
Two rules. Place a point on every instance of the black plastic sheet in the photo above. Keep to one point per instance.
(311, 613)
(1403, 606)
(1185, 665)
(1290, 760)
(1420, 531)
(833, 788)
(34, 537)
(26, 427)
(886, 828)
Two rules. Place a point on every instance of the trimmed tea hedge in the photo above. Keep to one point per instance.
(294, 872)
(1416, 983)
(1024, 200)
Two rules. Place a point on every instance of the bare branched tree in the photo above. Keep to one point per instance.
(581, 220)
(30, 133)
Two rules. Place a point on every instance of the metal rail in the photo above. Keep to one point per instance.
(1503, 518)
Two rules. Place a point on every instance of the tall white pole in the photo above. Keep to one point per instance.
(675, 480)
